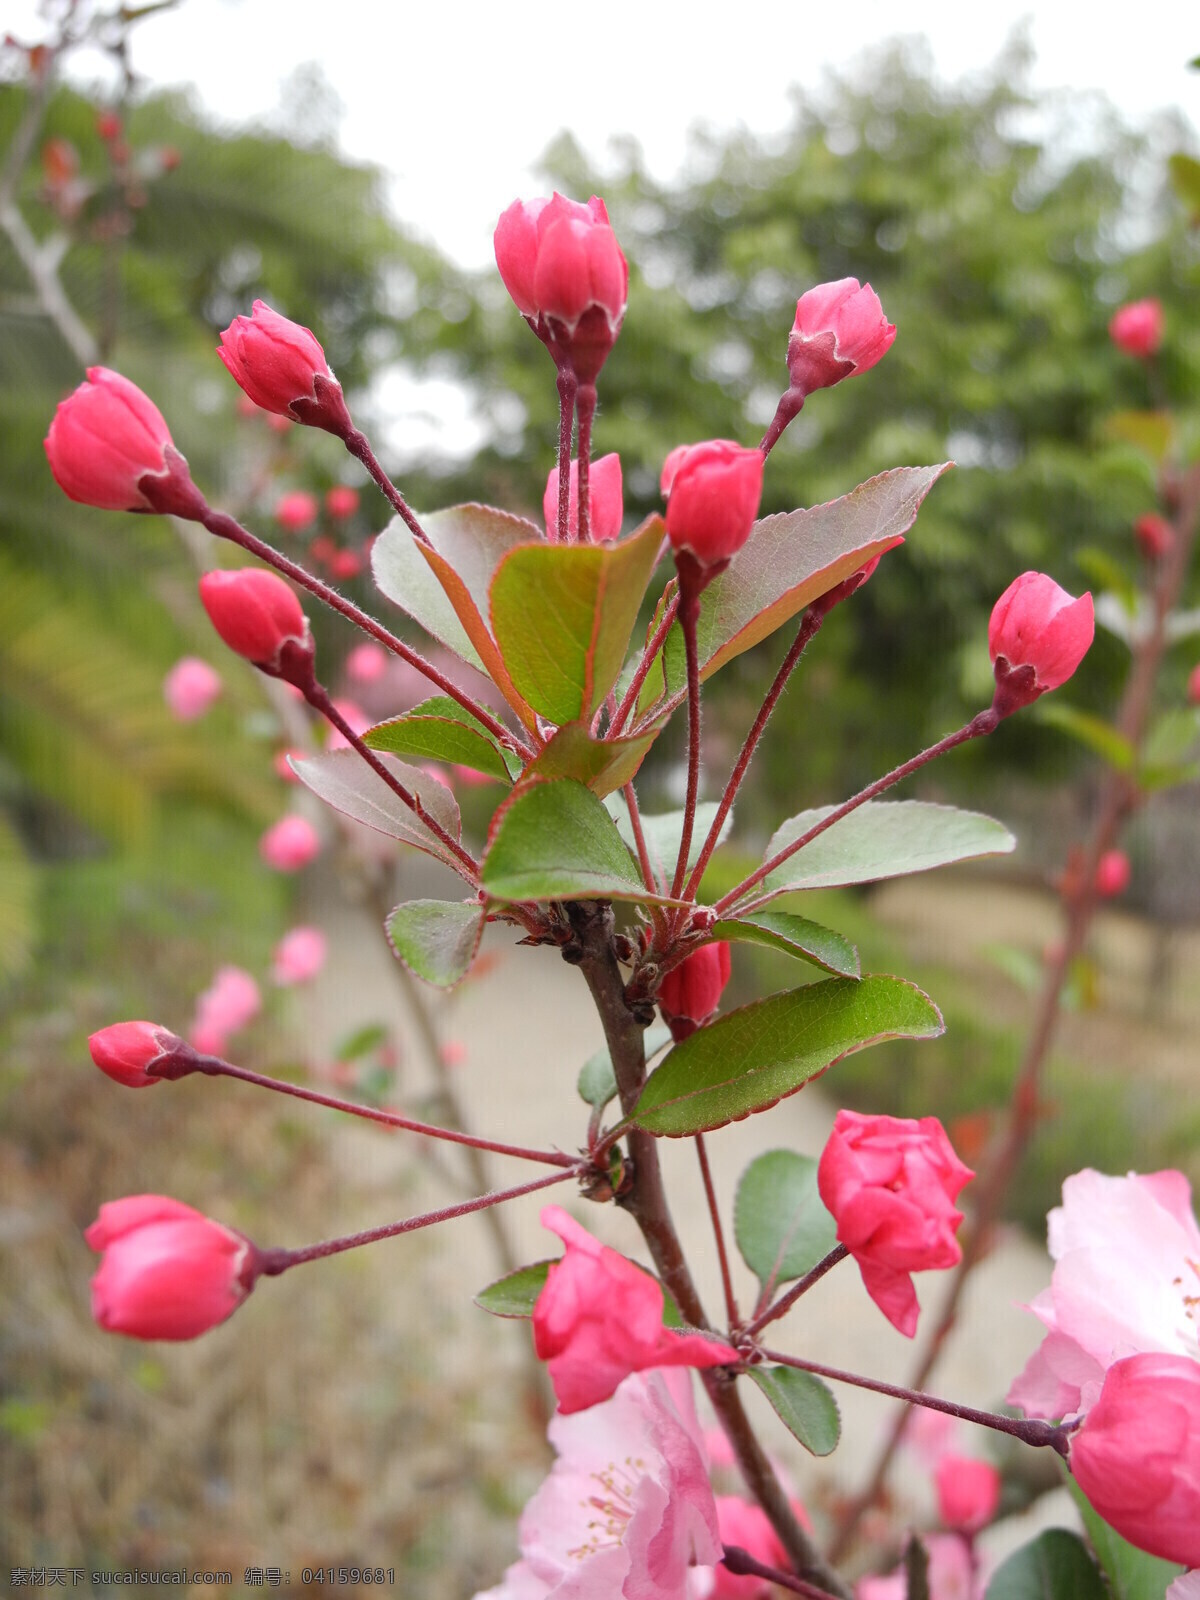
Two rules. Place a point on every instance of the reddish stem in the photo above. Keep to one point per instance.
(653, 646)
(272, 1262)
(785, 1302)
(566, 416)
(585, 409)
(225, 527)
(689, 612)
(788, 407)
(810, 625)
(215, 1067)
(1029, 1430)
(710, 1194)
(359, 446)
(319, 699)
(985, 722)
(744, 1564)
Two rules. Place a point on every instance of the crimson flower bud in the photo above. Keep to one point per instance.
(1137, 328)
(561, 263)
(713, 490)
(1154, 534)
(840, 329)
(255, 613)
(1113, 873)
(1137, 1455)
(890, 1184)
(283, 369)
(606, 501)
(1193, 686)
(1037, 636)
(125, 1049)
(296, 509)
(692, 991)
(190, 688)
(341, 501)
(968, 1492)
(168, 1272)
(109, 447)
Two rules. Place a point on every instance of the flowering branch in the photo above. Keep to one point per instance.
(1032, 1432)
(742, 1563)
(271, 1263)
(984, 722)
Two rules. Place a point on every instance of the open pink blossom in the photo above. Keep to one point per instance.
(627, 1509)
(890, 1184)
(190, 688)
(606, 504)
(229, 1004)
(952, 1573)
(1126, 1274)
(599, 1318)
(299, 956)
(742, 1523)
(1137, 1455)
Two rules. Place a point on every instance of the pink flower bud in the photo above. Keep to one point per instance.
(1113, 873)
(1137, 328)
(346, 564)
(890, 1184)
(968, 1492)
(1037, 636)
(562, 265)
(599, 1318)
(840, 329)
(125, 1049)
(712, 490)
(283, 369)
(168, 1272)
(296, 510)
(692, 991)
(190, 688)
(341, 502)
(106, 439)
(299, 956)
(746, 1525)
(1154, 534)
(255, 613)
(1137, 1455)
(606, 504)
(229, 1004)
(366, 663)
(290, 844)
(1193, 686)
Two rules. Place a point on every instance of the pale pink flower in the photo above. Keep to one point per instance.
(742, 1523)
(190, 688)
(299, 956)
(229, 1003)
(951, 1574)
(1126, 1276)
(366, 663)
(599, 1318)
(1185, 1588)
(627, 1509)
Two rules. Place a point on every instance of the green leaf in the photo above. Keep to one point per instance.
(437, 939)
(444, 585)
(752, 1057)
(663, 832)
(1055, 1566)
(1185, 174)
(780, 1223)
(553, 840)
(1173, 736)
(1148, 431)
(1132, 1574)
(602, 764)
(795, 936)
(442, 731)
(562, 615)
(597, 1084)
(515, 1294)
(1099, 736)
(804, 1405)
(881, 839)
(793, 558)
(361, 1042)
(343, 780)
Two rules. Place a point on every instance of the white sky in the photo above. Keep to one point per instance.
(458, 100)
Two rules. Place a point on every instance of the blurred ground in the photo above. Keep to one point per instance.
(363, 1410)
